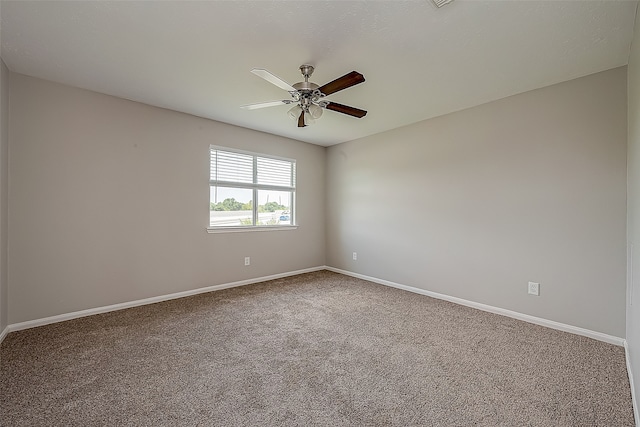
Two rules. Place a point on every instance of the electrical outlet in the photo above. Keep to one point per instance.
(534, 288)
(247, 260)
(355, 256)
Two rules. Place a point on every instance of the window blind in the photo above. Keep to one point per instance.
(242, 168)
(231, 167)
(275, 172)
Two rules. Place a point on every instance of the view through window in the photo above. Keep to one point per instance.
(250, 190)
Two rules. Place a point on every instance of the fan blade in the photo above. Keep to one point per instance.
(344, 109)
(265, 104)
(273, 79)
(351, 79)
(301, 120)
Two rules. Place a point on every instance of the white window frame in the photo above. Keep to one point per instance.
(255, 187)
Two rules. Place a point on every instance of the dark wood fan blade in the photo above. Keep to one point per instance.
(301, 120)
(344, 109)
(351, 79)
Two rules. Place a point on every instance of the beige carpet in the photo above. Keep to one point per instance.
(314, 349)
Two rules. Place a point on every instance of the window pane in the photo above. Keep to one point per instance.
(274, 207)
(230, 207)
(232, 167)
(275, 172)
(237, 177)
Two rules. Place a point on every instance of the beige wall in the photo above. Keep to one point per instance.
(4, 191)
(633, 217)
(109, 203)
(477, 203)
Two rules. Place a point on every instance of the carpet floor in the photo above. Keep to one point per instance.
(314, 349)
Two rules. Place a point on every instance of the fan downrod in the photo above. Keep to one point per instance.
(306, 87)
(306, 71)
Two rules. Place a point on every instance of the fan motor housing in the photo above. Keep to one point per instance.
(306, 86)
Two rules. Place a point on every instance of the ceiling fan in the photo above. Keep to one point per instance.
(308, 97)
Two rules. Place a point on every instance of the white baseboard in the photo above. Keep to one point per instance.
(636, 414)
(152, 300)
(525, 317)
(496, 310)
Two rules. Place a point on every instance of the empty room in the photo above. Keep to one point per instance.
(330, 213)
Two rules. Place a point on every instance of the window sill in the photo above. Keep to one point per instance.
(212, 230)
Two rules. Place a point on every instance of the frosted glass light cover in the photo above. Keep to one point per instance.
(309, 120)
(294, 112)
(315, 111)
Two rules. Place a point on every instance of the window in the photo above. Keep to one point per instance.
(249, 190)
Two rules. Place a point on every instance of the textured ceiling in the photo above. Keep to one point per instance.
(419, 62)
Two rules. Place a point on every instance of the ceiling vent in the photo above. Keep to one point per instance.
(440, 3)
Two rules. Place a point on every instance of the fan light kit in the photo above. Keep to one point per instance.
(308, 97)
